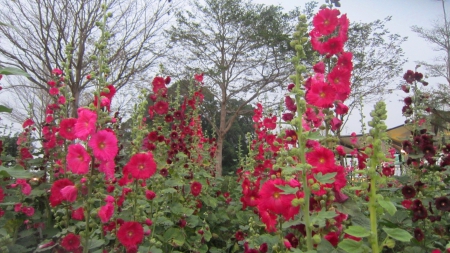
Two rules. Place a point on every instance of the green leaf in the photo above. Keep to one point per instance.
(321, 217)
(209, 201)
(179, 209)
(398, 234)
(350, 246)
(13, 71)
(325, 179)
(314, 136)
(325, 247)
(287, 189)
(174, 236)
(153, 249)
(172, 182)
(295, 250)
(18, 172)
(168, 190)
(95, 243)
(5, 109)
(357, 231)
(388, 206)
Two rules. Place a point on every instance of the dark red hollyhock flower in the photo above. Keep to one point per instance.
(263, 248)
(287, 117)
(442, 203)
(446, 149)
(407, 111)
(408, 192)
(56, 197)
(196, 188)
(408, 101)
(419, 185)
(164, 172)
(130, 234)
(407, 146)
(239, 235)
(409, 76)
(290, 86)
(418, 76)
(418, 234)
(405, 88)
(71, 242)
(428, 150)
(292, 239)
(419, 213)
(182, 223)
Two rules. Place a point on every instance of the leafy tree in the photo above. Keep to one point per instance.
(49, 33)
(242, 49)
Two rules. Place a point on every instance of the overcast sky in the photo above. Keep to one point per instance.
(405, 13)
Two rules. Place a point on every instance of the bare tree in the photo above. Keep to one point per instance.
(241, 47)
(51, 32)
(439, 37)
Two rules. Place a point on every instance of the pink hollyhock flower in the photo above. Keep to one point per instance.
(321, 94)
(85, 123)
(106, 212)
(196, 188)
(69, 193)
(28, 122)
(341, 109)
(66, 128)
(290, 104)
(320, 156)
(61, 100)
(161, 107)
(198, 77)
(57, 72)
(26, 188)
(108, 167)
(28, 210)
(341, 151)
(17, 207)
(319, 67)
(104, 145)
(109, 199)
(345, 61)
(51, 83)
(56, 197)
(274, 199)
(326, 21)
(335, 124)
(287, 244)
(78, 214)
(141, 166)
(150, 194)
(53, 91)
(270, 122)
(78, 159)
(334, 45)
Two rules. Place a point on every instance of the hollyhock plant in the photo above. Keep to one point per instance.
(196, 188)
(71, 242)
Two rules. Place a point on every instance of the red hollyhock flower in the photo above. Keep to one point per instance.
(56, 197)
(326, 21)
(53, 91)
(321, 94)
(71, 242)
(270, 122)
(198, 77)
(104, 145)
(196, 188)
(274, 199)
(270, 219)
(159, 86)
(341, 109)
(85, 123)
(407, 203)
(319, 67)
(335, 124)
(345, 61)
(320, 156)
(28, 122)
(409, 76)
(66, 128)
(78, 159)
(130, 234)
(418, 234)
(141, 166)
(25, 153)
(161, 107)
(150, 194)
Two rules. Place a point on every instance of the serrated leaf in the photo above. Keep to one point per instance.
(287, 189)
(95, 243)
(350, 246)
(154, 249)
(398, 234)
(314, 136)
(325, 179)
(5, 109)
(321, 217)
(357, 231)
(13, 71)
(388, 206)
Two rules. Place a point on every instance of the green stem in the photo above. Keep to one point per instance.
(373, 214)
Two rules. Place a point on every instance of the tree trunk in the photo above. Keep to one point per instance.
(219, 156)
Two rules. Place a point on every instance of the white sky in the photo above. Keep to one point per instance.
(405, 13)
